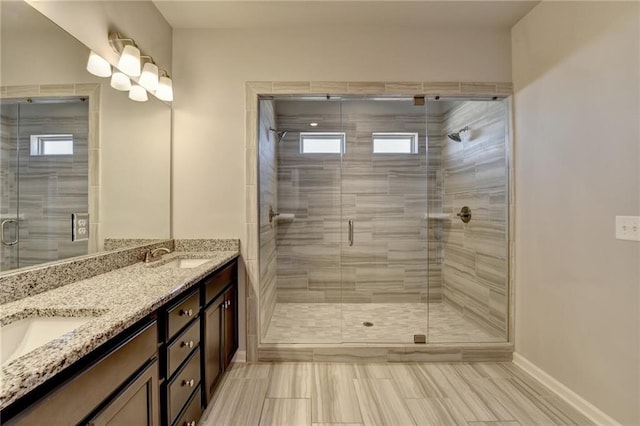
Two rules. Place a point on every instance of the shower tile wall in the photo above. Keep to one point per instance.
(50, 187)
(385, 195)
(475, 175)
(268, 198)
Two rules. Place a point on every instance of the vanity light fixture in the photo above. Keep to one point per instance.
(138, 93)
(98, 66)
(149, 77)
(129, 62)
(120, 81)
(165, 87)
(314, 124)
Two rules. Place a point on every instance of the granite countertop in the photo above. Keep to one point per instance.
(117, 299)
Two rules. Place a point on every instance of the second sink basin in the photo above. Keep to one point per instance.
(22, 336)
(184, 263)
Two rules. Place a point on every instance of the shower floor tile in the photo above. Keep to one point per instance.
(392, 323)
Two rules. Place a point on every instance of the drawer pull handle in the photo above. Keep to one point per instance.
(192, 423)
(186, 312)
(188, 344)
(189, 383)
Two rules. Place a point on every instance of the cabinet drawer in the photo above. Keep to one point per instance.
(192, 413)
(215, 284)
(180, 314)
(185, 382)
(182, 346)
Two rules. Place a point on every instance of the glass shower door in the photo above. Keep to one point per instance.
(9, 186)
(384, 205)
(300, 166)
(43, 179)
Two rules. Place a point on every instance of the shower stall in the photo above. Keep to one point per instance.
(383, 220)
(43, 178)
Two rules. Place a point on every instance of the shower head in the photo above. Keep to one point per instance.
(460, 134)
(280, 134)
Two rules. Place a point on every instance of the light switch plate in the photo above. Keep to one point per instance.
(628, 228)
(79, 226)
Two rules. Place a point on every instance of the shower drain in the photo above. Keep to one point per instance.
(367, 324)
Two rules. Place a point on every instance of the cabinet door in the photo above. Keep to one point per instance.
(230, 325)
(212, 347)
(137, 404)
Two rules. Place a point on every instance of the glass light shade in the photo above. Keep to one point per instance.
(120, 81)
(165, 89)
(149, 77)
(129, 62)
(138, 93)
(98, 66)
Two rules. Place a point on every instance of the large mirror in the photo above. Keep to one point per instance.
(71, 146)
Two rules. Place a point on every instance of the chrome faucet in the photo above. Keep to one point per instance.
(151, 255)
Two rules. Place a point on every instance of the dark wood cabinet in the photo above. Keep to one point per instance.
(161, 371)
(136, 404)
(229, 326)
(212, 355)
(220, 328)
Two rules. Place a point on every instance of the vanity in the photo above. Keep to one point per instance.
(155, 339)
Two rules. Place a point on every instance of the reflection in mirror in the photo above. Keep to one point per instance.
(70, 144)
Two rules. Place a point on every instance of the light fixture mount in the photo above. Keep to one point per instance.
(118, 42)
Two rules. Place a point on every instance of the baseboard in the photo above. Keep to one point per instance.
(576, 401)
(240, 356)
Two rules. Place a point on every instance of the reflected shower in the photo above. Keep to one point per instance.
(280, 134)
(460, 135)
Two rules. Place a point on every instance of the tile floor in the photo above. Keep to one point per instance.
(315, 394)
(393, 323)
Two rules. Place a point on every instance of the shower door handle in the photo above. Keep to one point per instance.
(2, 227)
(350, 232)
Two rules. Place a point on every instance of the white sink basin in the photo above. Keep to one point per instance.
(21, 337)
(184, 263)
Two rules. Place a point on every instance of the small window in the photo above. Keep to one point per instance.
(51, 145)
(322, 143)
(395, 143)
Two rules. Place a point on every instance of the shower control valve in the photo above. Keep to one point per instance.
(464, 214)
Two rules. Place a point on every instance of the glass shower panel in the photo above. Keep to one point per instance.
(384, 205)
(468, 221)
(300, 172)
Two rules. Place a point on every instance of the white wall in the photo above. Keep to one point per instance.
(576, 72)
(91, 21)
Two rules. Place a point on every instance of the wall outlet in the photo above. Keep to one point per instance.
(79, 226)
(628, 228)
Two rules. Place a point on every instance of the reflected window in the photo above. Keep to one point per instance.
(51, 145)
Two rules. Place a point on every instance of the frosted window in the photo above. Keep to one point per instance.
(51, 145)
(395, 143)
(322, 143)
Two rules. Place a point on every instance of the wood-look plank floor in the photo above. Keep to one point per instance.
(403, 394)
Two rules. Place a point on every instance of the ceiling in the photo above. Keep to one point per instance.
(329, 13)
